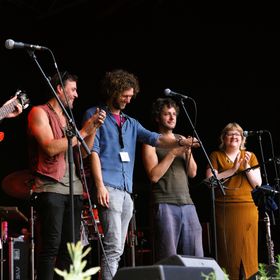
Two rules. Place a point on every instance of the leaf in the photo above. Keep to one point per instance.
(60, 272)
(78, 264)
(92, 271)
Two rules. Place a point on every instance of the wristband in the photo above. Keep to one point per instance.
(179, 140)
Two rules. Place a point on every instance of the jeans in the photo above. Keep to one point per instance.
(177, 231)
(54, 230)
(115, 221)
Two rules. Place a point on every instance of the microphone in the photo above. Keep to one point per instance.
(274, 159)
(169, 92)
(247, 133)
(267, 188)
(11, 44)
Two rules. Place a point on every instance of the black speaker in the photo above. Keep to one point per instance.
(162, 272)
(194, 262)
(18, 258)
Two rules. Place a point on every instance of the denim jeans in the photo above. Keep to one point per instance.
(177, 231)
(115, 221)
(54, 230)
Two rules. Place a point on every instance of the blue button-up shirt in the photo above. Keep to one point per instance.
(115, 172)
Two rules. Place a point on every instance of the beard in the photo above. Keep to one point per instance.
(117, 105)
(69, 104)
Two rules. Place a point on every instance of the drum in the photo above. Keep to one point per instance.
(91, 225)
(18, 184)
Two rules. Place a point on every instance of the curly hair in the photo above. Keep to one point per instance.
(118, 81)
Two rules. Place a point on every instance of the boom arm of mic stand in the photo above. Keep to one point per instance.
(203, 149)
(240, 172)
(262, 157)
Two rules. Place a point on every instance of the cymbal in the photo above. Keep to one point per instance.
(18, 184)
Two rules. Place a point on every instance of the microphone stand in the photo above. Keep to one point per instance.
(3, 239)
(214, 230)
(91, 215)
(240, 172)
(262, 158)
(133, 236)
(276, 168)
(71, 132)
(276, 162)
(266, 219)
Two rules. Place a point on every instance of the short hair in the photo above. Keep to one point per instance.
(65, 76)
(160, 103)
(228, 127)
(118, 81)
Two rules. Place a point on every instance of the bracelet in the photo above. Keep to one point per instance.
(179, 140)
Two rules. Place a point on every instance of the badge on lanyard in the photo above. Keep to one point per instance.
(124, 156)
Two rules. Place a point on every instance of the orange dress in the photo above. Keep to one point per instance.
(236, 220)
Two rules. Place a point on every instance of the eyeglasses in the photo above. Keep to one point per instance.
(233, 134)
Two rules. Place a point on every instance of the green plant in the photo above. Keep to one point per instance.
(262, 274)
(265, 274)
(212, 276)
(277, 266)
(78, 264)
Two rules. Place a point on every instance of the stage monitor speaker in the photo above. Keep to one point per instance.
(191, 261)
(162, 272)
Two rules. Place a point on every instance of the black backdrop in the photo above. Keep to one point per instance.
(225, 57)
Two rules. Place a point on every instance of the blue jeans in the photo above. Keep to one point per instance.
(53, 225)
(177, 231)
(115, 221)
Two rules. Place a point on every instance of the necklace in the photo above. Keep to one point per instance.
(228, 159)
(61, 119)
(52, 108)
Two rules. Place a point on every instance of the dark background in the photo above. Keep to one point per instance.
(226, 57)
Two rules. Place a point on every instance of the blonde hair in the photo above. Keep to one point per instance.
(226, 129)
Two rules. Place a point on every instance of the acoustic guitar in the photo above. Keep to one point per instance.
(6, 109)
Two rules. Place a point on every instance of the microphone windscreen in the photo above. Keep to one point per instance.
(9, 44)
(167, 92)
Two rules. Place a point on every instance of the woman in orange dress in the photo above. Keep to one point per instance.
(236, 212)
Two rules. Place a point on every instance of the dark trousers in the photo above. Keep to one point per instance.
(54, 231)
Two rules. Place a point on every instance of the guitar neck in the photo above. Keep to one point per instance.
(5, 110)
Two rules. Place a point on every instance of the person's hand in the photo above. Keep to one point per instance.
(179, 151)
(18, 108)
(99, 117)
(103, 196)
(195, 142)
(189, 142)
(94, 122)
(246, 160)
(237, 162)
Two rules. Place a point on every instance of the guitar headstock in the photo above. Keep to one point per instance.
(22, 98)
(9, 108)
